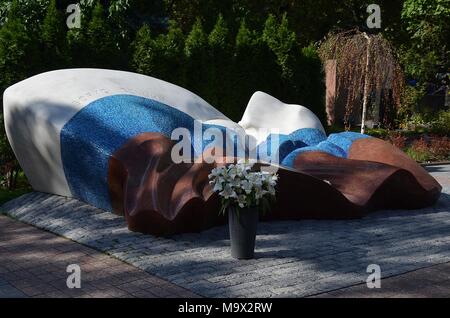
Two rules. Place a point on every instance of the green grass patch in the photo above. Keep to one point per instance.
(419, 155)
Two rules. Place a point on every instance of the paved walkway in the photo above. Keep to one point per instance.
(292, 258)
(33, 263)
(433, 282)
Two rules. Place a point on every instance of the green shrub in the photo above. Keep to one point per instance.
(441, 125)
(9, 167)
(378, 132)
(428, 122)
(440, 148)
(398, 140)
(409, 104)
(437, 148)
(419, 151)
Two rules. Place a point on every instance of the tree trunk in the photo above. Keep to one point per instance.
(366, 85)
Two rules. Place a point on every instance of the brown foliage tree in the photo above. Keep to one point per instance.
(365, 63)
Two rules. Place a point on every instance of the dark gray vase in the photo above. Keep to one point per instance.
(243, 232)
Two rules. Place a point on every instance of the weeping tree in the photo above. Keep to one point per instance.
(364, 63)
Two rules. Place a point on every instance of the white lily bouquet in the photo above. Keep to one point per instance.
(241, 187)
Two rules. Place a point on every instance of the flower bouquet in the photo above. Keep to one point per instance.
(244, 192)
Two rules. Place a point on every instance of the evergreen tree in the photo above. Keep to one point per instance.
(287, 47)
(196, 52)
(19, 59)
(161, 57)
(309, 82)
(255, 68)
(143, 56)
(282, 41)
(220, 66)
(244, 68)
(102, 45)
(218, 39)
(172, 45)
(19, 49)
(244, 37)
(196, 41)
(54, 38)
(78, 55)
(270, 32)
(426, 50)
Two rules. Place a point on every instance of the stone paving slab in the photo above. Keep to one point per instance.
(33, 263)
(293, 258)
(9, 291)
(429, 282)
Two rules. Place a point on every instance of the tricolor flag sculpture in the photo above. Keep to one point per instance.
(106, 137)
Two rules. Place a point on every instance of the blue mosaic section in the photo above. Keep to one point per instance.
(337, 145)
(345, 139)
(104, 126)
(308, 136)
(287, 143)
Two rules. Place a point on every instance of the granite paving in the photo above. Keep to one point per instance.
(428, 282)
(33, 263)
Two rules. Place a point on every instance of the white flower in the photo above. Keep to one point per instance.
(269, 177)
(259, 192)
(216, 172)
(218, 186)
(228, 192)
(238, 184)
(241, 171)
(233, 171)
(254, 178)
(235, 183)
(246, 186)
